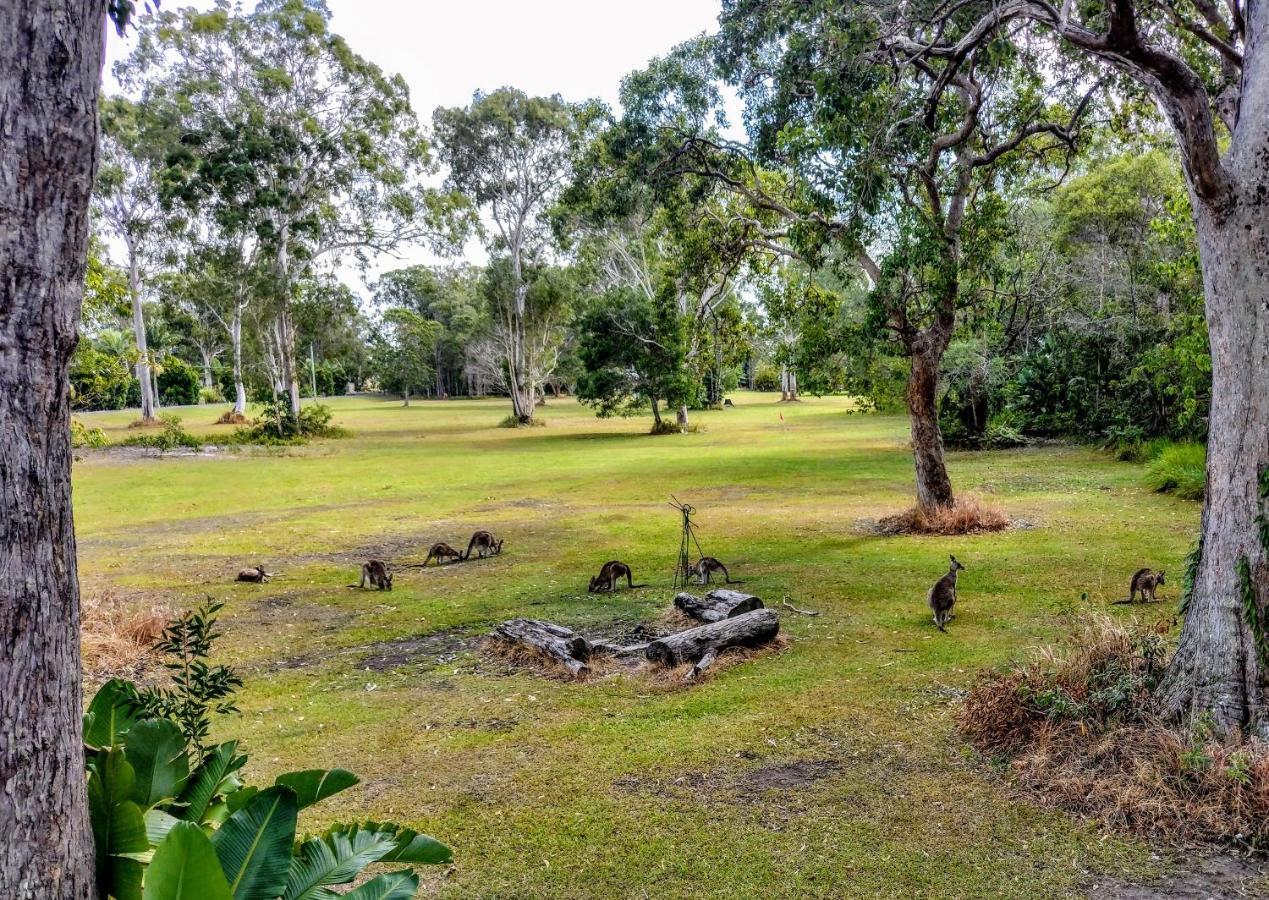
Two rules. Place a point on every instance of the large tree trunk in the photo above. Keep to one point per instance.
(934, 487)
(235, 336)
(1218, 664)
(680, 417)
(50, 70)
(138, 332)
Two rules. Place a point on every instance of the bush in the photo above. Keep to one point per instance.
(99, 380)
(276, 425)
(176, 819)
(1179, 469)
(1075, 729)
(172, 436)
(179, 382)
(83, 436)
(766, 378)
(210, 395)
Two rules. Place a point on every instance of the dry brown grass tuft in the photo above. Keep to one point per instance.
(229, 417)
(968, 515)
(151, 422)
(1076, 731)
(116, 637)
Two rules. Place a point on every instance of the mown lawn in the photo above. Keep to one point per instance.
(831, 769)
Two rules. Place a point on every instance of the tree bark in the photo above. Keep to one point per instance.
(934, 487)
(138, 333)
(750, 629)
(50, 71)
(1219, 667)
(716, 605)
(680, 417)
(235, 336)
(556, 642)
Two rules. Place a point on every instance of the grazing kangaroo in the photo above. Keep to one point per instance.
(484, 544)
(1145, 581)
(441, 551)
(706, 566)
(376, 572)
(608, 576)
(255, 575)
(942, 596)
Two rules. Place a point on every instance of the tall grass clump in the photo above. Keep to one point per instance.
(1179, 469)
(1074, 728)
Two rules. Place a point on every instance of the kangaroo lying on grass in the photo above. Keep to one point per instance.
(256, 575)
(942, 596)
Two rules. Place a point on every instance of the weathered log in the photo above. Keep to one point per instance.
(617, 649)
(717, 605)
(749, 629)
(555, 641)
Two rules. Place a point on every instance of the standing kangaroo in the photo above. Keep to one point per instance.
(484, 544)
(942, 596)
(376, 572)
(1144, 581)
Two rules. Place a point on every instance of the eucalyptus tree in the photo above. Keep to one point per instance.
(511, 155)
(402, 352)
(298, 143)
(133, 148)
(1206, 65)
(50, 75)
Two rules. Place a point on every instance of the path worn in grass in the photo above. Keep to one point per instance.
(830, 769)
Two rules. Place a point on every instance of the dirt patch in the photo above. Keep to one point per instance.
(1223, 876)
(791, 776)
(437, 648)
(732, 785)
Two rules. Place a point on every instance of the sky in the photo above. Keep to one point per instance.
(447, 50)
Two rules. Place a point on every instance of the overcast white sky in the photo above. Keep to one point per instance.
(446, 50)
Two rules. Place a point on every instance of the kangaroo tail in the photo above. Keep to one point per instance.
(1125, 600)
(638, 585)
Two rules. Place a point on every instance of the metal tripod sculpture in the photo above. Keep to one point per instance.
(683, 572)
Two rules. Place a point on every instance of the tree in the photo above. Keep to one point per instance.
(403, 352)
(300, 144)
(1207, 68)
(128, 202)
(50, 72)
(510, 153)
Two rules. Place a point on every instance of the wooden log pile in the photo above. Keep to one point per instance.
(730, 619)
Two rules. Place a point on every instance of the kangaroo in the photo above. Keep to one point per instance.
(608, 576)
(376, 572)
(942, 596)
(441, 551)
(1144, 581)
(256, 575)
(484, 544)
(705, 568)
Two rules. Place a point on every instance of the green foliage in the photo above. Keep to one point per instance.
(211, 394)
(198, 689)
(172, 436)
(83, 436)
(276, 425)
(766, 378)
(1179, 469)
(99, 379)
(1190, 578)
(179, 382)
(404, 351)
(171, 819)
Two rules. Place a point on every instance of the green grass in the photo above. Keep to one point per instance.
(1179, 469)
(831, 769)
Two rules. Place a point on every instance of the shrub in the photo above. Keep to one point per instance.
(210, 395)
(171, 436)
(1076, 730)
(276, 425)
(1179, 469)
(766, 378)
(99, 380)
(83, 436)
(179, 382)
(175, 820)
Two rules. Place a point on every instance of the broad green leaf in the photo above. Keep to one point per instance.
(334, 858)
(185, 868)
(111, 713)
(240, 798)
(413, 847)
(208, 779)
(156, 752)
(401, 885)
(314, 785)
(255, 845)
(117, 824)
(157, 825)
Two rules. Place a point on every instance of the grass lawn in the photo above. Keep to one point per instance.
(831, 769)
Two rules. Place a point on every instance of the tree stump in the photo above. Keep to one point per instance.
(553, 641)
(702, 644)
(717, 605)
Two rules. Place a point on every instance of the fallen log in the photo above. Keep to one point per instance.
(553, 641)
(699, 645)
(717, 605)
